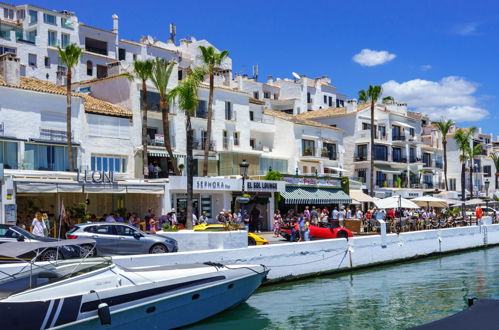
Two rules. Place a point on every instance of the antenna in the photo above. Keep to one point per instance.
(173, 32)
(296, 75)
(255, 71)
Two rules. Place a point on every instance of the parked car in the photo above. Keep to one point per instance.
(10, 234)
(253, 239)
(119, 238)
(326, 231)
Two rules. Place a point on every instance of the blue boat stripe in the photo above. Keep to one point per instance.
(49, 311)
(57, 312)
(52, 312)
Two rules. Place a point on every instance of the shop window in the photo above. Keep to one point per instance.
(47, 157)
(108, 163)
(8, 154)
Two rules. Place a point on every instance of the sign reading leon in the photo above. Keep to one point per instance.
(96, 177)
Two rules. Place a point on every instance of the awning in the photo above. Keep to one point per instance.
(360, 196)
(163, 153)
(105, 189)
(73, 188)
(399, 123)
(336, 169)
(36, 188)
(313, 195)
(387, 169)
(145, 189)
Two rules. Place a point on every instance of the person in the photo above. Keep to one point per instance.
(221, 217)
(324, 216)
(38, 227)
(246, 220)
(479, 215)
(358, 214)
(390, 214)
(203, 219)
(341, 217)
(151, 170)
(93, 218)
(152, 224)
(301, 227)
(174, 218)
(110, 218)
(103, 218)
(379, 214)
(314, 216)
(307, 231)
(237, 218)
(148, 214)
(118, 217)
(277, 223)
(195, 221)
(306, 213)
(255, 219)
(348, 216)
(334, 214)
(156, 170)
(46, 221)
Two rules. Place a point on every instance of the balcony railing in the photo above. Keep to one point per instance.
(199, 145)
(398, 138)
(360, 157)
(439, 165)
(262, 148)
(96, 50)
(53, 135)
(308, 152)
(414, 160)
(400, 159)
(366, 134)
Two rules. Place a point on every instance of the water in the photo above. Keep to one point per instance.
(391, 297)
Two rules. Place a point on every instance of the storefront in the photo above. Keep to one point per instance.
(214, 194)
(95, 193)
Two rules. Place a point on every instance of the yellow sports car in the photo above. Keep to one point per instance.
(253, 239)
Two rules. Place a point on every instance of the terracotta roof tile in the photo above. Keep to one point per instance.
(256, 101)
(91, 103)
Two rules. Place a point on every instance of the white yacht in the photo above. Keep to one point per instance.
(84, 294)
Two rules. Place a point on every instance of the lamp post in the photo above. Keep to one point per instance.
(487, 185)
(243, 170)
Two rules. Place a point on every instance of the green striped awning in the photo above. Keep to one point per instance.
(313, 195)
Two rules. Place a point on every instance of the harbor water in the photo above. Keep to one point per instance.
(389, 297)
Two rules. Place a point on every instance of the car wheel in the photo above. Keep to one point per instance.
(342, 234)
(158, 248)
(87, 250)
(50, 255)
(251, 241)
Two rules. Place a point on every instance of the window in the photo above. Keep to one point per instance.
(236, 138)
(397, 155)
(325, 99)
(135, 57)
(121, 54)
(252, 143)
(8, 13)
(124, 230)
(252, 115)
(96, 46)
(104, 230)
(280, 165)
(380, 152)
(101, 71)
(202, 109)
(21, 14)
(204, 138)
(487, 170)
(49, 19)
(225, 140)
(46, 61)
(452, 184)
(66, 23)
(22, 70)
(329, 150)
(427, 159)
(276, 96)
(180, 73)
(108, 163)
(361, 153)
(31, 36)
(152, 101)
(90, 68)
(8, 154)
(381, 179)
(52, 38)
(32, 60)
(64, 40)
(47, 157)
(308, 147)
(228, 110)
(361, 174)
(256, 95)
(4, 50)
(412, 155)
(330, 103)
(33, 17)
(366, 126)
(266, 95)
(412, 131)
(396, 133)
(309, 98)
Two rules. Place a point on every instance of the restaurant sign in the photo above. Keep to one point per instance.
(313, 181)
(212, 184)
(95, 177)
(255, 185)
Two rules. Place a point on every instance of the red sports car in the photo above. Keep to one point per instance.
(317, 232)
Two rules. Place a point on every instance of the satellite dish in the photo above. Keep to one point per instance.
(296, 75)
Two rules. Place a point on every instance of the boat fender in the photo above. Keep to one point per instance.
(104, 314)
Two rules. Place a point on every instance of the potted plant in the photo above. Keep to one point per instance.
(181, 168)
(308, 150)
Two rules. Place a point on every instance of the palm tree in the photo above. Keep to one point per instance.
(372, 95)
(186, 95)
(142, 70)
(444, 127)
(472, 153)
(212, 61)
(160, 76)
(495, 159)
(462, 138)
(387, 99)
(70, 57)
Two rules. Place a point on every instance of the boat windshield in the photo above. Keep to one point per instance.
(43, 275)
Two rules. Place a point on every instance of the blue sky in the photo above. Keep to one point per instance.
(439, 56)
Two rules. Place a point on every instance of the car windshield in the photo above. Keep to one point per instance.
(15, 232)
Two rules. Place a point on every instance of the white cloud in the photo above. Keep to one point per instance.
(368, 57)
(451, 97)
(426, 67)
(466, 30)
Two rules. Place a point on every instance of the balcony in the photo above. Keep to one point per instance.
(360, 157)
(439, 165)
(308, 152)
(49, 134)
(398, 138)
(328, 155)
(226, 143)
(366, 134)
(399, 159)
(199, 145)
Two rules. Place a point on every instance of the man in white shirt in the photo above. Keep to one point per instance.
(341, 216)
(110, 218)
(358, 214)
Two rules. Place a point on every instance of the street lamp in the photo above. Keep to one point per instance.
(487, 184)
(243, 170)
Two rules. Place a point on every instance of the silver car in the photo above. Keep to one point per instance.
(118, 238)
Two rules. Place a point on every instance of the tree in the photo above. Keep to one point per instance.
(462, 138)
(495, 159)
(372, 95)
(70, 57)
(387, 99)
(160, 76)
(186, 96)
(473, 153)
(142, 70)
(212, 61)
(444, 127)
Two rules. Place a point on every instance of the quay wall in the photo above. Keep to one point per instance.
(190, 240)
(295, 260)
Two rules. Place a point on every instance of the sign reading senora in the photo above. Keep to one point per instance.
(96, 177)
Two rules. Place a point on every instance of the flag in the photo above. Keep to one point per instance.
(62, 215)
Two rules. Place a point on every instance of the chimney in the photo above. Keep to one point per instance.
(173, 33)
(10, 68)
(270, 80)
(351, 105)
(115, 23)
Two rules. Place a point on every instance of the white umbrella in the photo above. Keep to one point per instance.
(395, 202)
(430, 201)
(475, 201)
